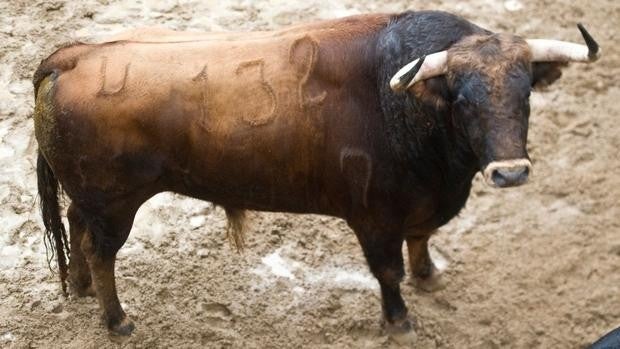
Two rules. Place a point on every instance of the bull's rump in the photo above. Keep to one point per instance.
(212, 119)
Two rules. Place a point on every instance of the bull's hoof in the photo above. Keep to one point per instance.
(124, 328)
(402, 332)
(431, 282)
(399, 326)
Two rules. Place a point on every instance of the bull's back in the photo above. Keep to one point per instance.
(226, 121)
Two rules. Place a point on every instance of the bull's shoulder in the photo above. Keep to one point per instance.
(350, 25)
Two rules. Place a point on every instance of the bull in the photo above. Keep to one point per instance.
(381, 120)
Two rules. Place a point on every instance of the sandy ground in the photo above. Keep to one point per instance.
(532, 267)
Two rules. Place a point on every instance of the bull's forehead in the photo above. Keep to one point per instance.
(492, 54)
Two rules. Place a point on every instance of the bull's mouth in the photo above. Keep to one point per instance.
(507, 173)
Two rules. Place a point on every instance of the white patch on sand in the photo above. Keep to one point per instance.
(20, 87)
(300, 274)
(133, 247)
(440, 261)
(7, 337)
(342, 278)
(11, 252)
(277, 265)
(152, 218)
(9, 256)
(152, 225)
(513, 5)
(6, 99)
(197, 221)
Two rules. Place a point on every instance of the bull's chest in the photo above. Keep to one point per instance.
(432, 208)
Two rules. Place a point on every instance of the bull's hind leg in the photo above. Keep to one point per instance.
(424, 274)
(107, 232)
(79, 272)
(101, 257)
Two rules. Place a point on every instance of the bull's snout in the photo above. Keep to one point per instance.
(507, 173)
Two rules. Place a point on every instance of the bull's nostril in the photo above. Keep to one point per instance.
(525, 173)
(504, 177)
(497, 178)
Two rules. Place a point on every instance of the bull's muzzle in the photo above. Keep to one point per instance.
(507, 173)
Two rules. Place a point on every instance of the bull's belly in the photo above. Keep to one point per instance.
(254, 197)
(254, 186)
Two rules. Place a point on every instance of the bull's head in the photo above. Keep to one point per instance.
(489, 78)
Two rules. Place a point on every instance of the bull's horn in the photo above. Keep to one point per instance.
(544, 50)
(422, 68)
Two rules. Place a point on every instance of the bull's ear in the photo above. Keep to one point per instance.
(432, 92)
(546, 73)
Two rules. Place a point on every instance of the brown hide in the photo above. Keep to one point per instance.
(265, 120)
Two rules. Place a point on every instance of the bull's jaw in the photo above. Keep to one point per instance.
(507, 173)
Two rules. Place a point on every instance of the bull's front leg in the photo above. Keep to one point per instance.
(384, 256)
(424, 273)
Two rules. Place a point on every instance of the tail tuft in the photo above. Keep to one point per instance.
(236, 227)
(56, 241)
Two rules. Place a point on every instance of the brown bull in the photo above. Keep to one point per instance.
(297, 120)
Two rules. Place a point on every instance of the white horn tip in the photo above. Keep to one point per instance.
(395, 84)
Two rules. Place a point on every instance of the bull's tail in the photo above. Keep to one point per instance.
(236, 227)
(55, 235)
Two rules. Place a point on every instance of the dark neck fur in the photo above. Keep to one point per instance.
(425, 141)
